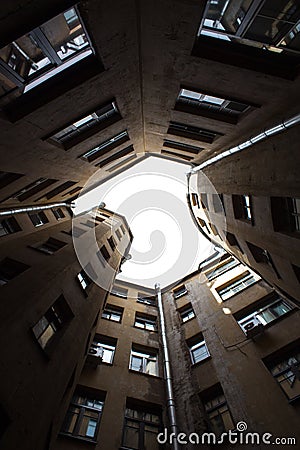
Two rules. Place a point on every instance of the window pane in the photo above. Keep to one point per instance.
(136, 363)
(46, 336)
(151, 367)
(131, 435)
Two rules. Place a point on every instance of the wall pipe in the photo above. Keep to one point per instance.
(167, 369)
(11, 211)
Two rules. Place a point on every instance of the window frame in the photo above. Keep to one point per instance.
(146, 321)
(194, 347)
(146, 356)
(111, 310)
(237, 281)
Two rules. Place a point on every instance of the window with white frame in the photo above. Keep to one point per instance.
(198, 349)
(235, 286)
(144, 360)
(223, 267)
(145, 321)
(9, 226)
(104, 347)
(58, 213)
(180, 291)
(263, 313)
(84, 279)
(38, 218)
(186, 313)
(113, 313)
(83, 416)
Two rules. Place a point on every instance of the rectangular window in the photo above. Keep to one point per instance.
(204, 200)
(103, 253)
(218, 203)
(147, 300)
(8, 177)
(236, 286)
(84, 415)
(177, 155)
(38, 218)
(284, 365)
(144, 360)
(194, 199)
(32, 189)
(113, 313)
(186, 313)
(44, 52)
(9, 226)
(106, 146)
(232, 241)
(217, 410)
(119, 291)
(212, 106)
(194, 150)
(286, 214)
(112, 243)
(223, 267)
(103, 347)
(119, 235)
(10, 268)
(192, 132)
(116, 156)
(198, 348)
(145, 321)
(262, 313)
(58, 213)
(56, 191)
(141, 426)
(54, 319)
(261, 255)
(180, 291)
(85, 126)
(84, 280)
(242, 207)
(50, 246)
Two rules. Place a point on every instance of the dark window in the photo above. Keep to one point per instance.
(177, 155)
(218, 203)
(10, 268)
(186, 313)
(203, 224)
(104, 252)
(192, 132)
(84, 279)
(261, 255)
(236, 285)
(296, 270)
(242, 207)
(113, 313)
(54, 319)
(221, 268)
(116, 156)
(180, 291)
(144, 360)
(119, 291)
(84, 415)
(123, 228)
(32, 189)
(145, 321)
(58, 213)
(9, 226)
(119, 235)
(72, 191)
(284, 365)
(147, 300)
(44, 52)
(141, 426)
(8, 177)
(195, 199)
(217, 411)
(57, 190)
(204, 201)
(38, 218)
(103, 347)
(85, 126)
(198, 348)
(232, 241)
(182, 146)
(105, 146)
(211, 106)
(50, 246)
(286, 214)
(112, 243)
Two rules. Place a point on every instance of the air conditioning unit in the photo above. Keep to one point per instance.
(253, 329)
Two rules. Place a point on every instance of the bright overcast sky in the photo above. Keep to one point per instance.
(152, 196)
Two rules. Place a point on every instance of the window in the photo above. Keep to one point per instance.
(180, 291)
(147, 300)
(212, 106)
(296, 270)
(198, 349)
(50, 246)
(105, 347)
(84, 279)
(217, 410)
(119, 235)
(122, 228)
(54, 320)
(145, 321)
(218, 203)
(119, 291)
(44, 52)
(222, 268)
(58, 213)
(242, 207)
(113, 313)
(84, 415)
(261, 255)
(203, 224)
(186, 313)
(104, 252)
(144, 360)
(286, 214)
(116, 156)
(235, 286)
(232, 241)
(32, 189)
(85, 126)
(141, 426)
(56, 191)
(8, 177)
(284, 366)
(263, 312)
(204, 201)
(192, 132)
(10, 268)
(177, 155)
(182, 146)
(9, 226)
(112, 243)
(106, 146)
(38, 218)
(195, 200)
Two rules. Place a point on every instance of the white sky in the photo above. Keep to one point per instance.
(152, 196)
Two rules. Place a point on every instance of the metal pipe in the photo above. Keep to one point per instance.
(167, 368)
(11, 211)
(282, 126)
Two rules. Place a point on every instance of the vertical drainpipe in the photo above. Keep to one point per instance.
(167, 370)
